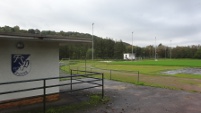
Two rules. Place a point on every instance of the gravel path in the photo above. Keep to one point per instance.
(129, 98)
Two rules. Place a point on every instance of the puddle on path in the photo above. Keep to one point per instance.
(196, 71)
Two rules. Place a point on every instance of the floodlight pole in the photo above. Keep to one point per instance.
(165, 52)
(170, 49)
(92, 50)
(132, 46)
(155, 49)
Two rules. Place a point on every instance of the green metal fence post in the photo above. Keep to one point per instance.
(71, 80)
(102, 85)
(138, 78)
(110, 74)
(44, 96)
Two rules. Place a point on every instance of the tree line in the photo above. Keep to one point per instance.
(107, 48)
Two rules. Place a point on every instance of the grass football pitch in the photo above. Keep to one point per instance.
(150, 72)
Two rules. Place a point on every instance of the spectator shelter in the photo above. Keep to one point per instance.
(28, 57)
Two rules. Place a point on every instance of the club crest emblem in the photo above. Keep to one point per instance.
(20, 64)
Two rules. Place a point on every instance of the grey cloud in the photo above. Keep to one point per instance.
(176, 20)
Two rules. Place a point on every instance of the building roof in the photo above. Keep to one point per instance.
(39, 37)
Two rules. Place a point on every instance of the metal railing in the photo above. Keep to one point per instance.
(112, 71)
(74, 79)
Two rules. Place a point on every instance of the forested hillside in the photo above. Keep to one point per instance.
(107, 48)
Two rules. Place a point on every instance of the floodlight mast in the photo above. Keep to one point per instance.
(170, 49)
(165, 52)
(92, 50)
(155, 49)
(132, 47)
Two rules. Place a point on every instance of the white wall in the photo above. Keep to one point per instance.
(128, 56)
(44, 62)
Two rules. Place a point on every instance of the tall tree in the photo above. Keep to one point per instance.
(198, 54)
(119, 49)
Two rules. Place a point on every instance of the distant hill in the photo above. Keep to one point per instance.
(106, 48)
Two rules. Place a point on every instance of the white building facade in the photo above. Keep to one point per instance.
(36, 60)
(128, 56)
(28, 58)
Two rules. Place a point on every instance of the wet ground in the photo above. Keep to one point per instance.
(196, 71)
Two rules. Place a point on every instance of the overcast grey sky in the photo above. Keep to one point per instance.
(172, 22)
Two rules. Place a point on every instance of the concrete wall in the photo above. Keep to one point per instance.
(44, 63)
